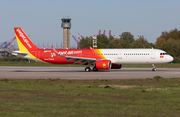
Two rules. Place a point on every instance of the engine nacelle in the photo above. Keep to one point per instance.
(103, 64)
(116, 66)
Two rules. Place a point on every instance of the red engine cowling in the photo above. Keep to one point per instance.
(116, 66)
(104, 64)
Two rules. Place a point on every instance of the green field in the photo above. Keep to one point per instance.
(33, 63)
(157, 97)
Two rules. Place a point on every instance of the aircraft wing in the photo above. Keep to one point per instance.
(83, 60)
(80, 59)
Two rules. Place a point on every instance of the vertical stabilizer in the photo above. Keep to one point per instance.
(24, 43)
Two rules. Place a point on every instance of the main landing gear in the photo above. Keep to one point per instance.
(154, 67)
(95, 69)
(88, 69)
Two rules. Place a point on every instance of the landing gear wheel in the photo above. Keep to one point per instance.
(87, 69)
(154, 69)
(95, 69)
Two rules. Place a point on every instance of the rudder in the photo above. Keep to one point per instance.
(24, 43)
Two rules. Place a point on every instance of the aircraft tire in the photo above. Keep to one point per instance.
(95, 69)
(87, 69)
(154, 69)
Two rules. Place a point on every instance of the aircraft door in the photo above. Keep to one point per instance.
(80, 54)
(152, 54)
(37, 54)
(119, 55)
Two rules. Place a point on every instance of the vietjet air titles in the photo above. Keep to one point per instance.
(101, 59)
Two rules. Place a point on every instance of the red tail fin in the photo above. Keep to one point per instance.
(24, 43)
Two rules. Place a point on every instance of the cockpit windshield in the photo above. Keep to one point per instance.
(163, 53)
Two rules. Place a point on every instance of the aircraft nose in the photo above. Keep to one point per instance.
(171, 58)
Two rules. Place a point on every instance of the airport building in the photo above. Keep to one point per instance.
(5, 51)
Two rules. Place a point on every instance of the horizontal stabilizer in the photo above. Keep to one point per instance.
(19, 54)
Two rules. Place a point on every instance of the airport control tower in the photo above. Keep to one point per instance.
(66, 25)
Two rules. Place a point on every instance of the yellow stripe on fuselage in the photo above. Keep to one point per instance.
(100, 52)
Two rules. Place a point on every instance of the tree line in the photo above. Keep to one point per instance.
(167, 41)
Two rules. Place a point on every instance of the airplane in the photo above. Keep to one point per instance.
(101, 59)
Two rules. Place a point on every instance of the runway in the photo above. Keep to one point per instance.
(79, 73)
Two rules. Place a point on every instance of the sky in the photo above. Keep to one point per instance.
(41, 19)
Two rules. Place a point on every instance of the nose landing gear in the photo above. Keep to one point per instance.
(154, 67)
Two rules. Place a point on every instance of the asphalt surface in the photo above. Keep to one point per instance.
(79, 73)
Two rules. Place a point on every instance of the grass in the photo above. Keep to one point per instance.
(91, 98)
(33, 63)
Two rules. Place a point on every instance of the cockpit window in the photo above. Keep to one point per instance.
(163, 53)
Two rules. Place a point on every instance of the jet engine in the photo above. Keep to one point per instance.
(103, 64)
(116, 66)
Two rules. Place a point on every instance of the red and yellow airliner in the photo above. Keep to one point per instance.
(101, 59)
